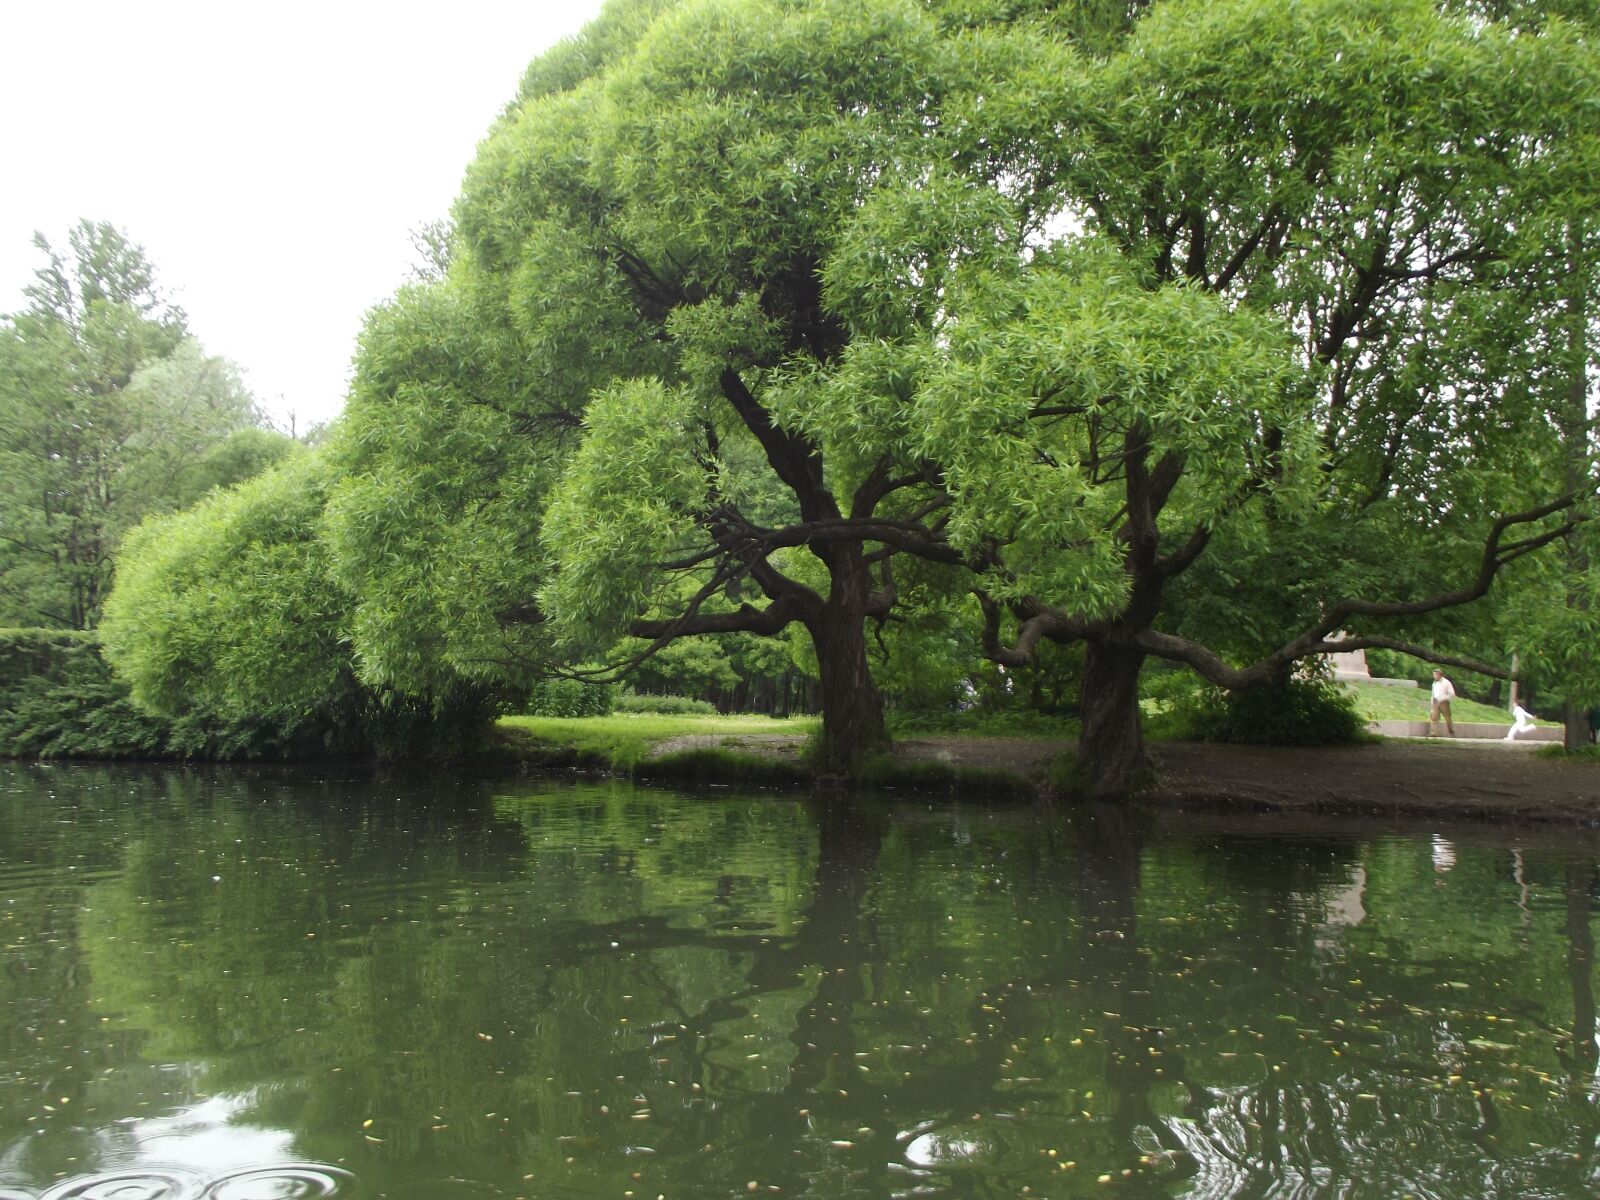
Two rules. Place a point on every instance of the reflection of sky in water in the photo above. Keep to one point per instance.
(202, 1150)
(936, 1150)
(207, 1136)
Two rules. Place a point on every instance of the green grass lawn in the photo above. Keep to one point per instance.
(623, 739)
(1376, 702)
(977, 723)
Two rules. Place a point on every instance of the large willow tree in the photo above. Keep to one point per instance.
(1203, 337)
(647, 236)
(1391, 186)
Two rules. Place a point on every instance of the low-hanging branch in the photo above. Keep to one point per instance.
(788, 606)
(1210, 666)
(745, 619)
(1037, 621)
(1316, 639)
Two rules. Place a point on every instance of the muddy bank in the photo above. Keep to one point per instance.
(1440, 778)
(1443, 780)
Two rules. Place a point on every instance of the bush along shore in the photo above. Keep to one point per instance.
(59, 699)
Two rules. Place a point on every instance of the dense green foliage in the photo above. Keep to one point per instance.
(230, 612)
(1296, 711)
(1217, 328)
(58, 699)
(572, 698)
(635, 702)
(955, 354)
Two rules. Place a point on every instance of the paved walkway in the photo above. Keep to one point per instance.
(1467, 731)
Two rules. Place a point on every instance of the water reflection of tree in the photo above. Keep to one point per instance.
(51, 1049)
(1110, 845)
(770, 977)
(1582, 1052)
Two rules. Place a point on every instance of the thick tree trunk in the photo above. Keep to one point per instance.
(852, 706)
(832, 945)
(1111, 749)
(1575, 725)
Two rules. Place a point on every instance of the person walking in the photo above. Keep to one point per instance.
(1443, 692)
(1524, 720)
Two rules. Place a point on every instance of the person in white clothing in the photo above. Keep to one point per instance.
(1443, 692)
(1524, 720)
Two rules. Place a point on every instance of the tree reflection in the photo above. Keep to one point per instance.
(1582, 1051)
(613, 990)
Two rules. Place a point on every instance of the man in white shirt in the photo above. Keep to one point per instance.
(1443, 693)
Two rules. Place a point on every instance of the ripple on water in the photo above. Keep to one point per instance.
(279, 1181)
(284, 1181)
(143, 1183)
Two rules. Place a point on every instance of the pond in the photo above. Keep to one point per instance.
(242, 984)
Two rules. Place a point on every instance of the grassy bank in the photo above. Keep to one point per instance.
(963, 753)
(740, 749)
(622, 741)
(1379, 702)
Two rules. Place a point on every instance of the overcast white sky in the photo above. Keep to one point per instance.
(271, 159)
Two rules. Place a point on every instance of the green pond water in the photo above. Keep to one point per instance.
(243, 984)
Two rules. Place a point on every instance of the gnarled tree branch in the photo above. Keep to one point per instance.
(1315, 640)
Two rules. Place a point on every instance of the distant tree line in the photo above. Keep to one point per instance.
(110, 412)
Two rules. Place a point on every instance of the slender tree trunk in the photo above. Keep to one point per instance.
(1575, 725)
(1575, 432)
(1111, 747)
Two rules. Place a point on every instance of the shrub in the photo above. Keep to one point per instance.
(58, 699)
(1288, 712)
(570, 698)
(632, 702)
(1293, 711)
